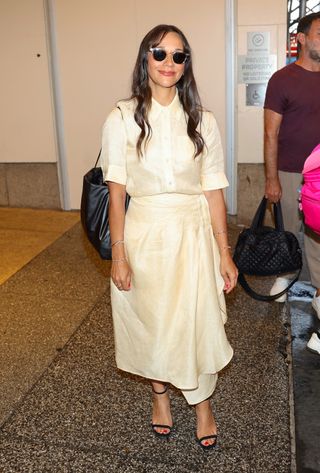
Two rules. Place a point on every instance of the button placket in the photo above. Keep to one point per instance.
(167, 149)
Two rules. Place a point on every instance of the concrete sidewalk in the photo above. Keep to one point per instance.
(64, 407)
(306, 380)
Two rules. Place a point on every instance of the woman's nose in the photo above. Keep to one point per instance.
(169, 59)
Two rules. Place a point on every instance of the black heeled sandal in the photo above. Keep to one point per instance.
(161, 426)
(207, 437)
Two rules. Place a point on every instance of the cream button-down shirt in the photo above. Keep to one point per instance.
(168, 164)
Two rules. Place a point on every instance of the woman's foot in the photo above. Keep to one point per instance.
(161, 416)
(206, 425)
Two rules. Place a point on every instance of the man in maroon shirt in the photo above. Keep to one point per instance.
(292, 131)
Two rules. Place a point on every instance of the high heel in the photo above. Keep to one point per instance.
(207, 437)
(161, 426)
(204, 440)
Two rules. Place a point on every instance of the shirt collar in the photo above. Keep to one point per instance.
(174, 108)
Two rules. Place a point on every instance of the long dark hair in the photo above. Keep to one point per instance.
(187, 89)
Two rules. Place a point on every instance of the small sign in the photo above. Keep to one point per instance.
(256, 69)
(255, 94)
(258, 43)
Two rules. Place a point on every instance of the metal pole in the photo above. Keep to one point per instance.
(231, 155)
(303, 8)
(288, 32)
(57, 104)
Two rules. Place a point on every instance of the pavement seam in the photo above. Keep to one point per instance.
(61, 235)
(17, 405)
(286, 314)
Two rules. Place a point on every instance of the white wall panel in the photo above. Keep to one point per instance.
(262, 16)
(26, 123)
(97, 47)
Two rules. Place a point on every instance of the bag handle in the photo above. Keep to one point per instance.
(277, 212)
(261, 297)
(258, 219)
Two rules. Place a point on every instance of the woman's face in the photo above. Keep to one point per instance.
(165, 74)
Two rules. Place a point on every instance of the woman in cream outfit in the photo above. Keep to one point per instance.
(171, 259)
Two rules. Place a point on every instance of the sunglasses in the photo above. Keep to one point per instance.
(159, 54)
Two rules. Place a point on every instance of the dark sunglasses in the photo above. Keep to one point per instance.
(159, 54)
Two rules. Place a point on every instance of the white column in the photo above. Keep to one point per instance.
(231, 155)
(57, 104)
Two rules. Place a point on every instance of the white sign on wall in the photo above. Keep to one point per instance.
(256, 67)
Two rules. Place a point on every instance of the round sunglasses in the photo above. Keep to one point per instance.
(159, 54)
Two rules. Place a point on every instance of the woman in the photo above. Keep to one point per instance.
(171, 258)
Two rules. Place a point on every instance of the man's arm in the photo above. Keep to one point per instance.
(272, 122)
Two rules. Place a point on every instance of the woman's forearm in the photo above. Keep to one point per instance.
(217, 209)
(116, 218)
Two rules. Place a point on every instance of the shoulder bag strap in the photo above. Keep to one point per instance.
(98, 158)
(261, 297)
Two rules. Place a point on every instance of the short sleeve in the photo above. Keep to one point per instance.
(275, 99)
(114, 145)
(212, 170)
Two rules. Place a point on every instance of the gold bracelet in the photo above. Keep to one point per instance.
(120, 260)
(117, 243)
(225, 248)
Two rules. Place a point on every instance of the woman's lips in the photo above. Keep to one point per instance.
(167, 73)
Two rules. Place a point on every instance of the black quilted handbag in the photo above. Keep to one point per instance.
(94, 210)
(267, 251)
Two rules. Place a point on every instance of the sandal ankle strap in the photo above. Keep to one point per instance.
(162, 392)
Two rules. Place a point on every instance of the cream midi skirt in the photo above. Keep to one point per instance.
(170, 325)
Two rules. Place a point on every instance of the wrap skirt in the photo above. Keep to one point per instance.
(170, 326)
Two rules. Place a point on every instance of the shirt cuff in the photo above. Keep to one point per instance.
(214, 181)
(115, 174)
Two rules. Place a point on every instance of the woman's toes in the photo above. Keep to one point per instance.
(207, 443)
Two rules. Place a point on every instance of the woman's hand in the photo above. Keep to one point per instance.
(120, 269)
(229, 271)
(218, 215)
(121, 274)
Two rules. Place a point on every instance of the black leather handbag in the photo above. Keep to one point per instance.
(267, 251)
(94, 210)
